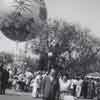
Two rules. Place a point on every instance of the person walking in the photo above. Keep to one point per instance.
(98, 89)
(5, 80)
(85, 88)
(35, 86)
(51, 86)
(1, 77)
(79, 87)
(65, 93)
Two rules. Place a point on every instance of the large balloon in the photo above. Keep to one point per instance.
(22, 19)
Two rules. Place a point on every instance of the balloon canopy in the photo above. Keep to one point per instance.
(21, 20)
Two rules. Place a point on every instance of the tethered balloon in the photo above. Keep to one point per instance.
(21, 20)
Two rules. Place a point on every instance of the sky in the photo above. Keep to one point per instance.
(84, 12)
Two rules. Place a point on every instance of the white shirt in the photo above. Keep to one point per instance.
(51, 78)
(64, 86)
(28, 74)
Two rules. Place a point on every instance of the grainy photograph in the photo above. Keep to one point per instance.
(49, 50)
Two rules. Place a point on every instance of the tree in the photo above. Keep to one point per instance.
(6, 57)
(70, 46)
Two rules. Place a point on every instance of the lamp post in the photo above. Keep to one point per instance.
(17, 46)
(50, 55)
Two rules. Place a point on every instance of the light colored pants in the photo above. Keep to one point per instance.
(78, 91)
(34, 92)
(69, 97)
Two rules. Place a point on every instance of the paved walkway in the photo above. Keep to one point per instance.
(21, 96)
(15, 97)
(13, 92)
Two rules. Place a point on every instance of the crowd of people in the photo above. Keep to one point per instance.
(50, 85)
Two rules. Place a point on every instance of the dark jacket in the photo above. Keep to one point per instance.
(1, 76)
(5, 78)
(50, 89)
